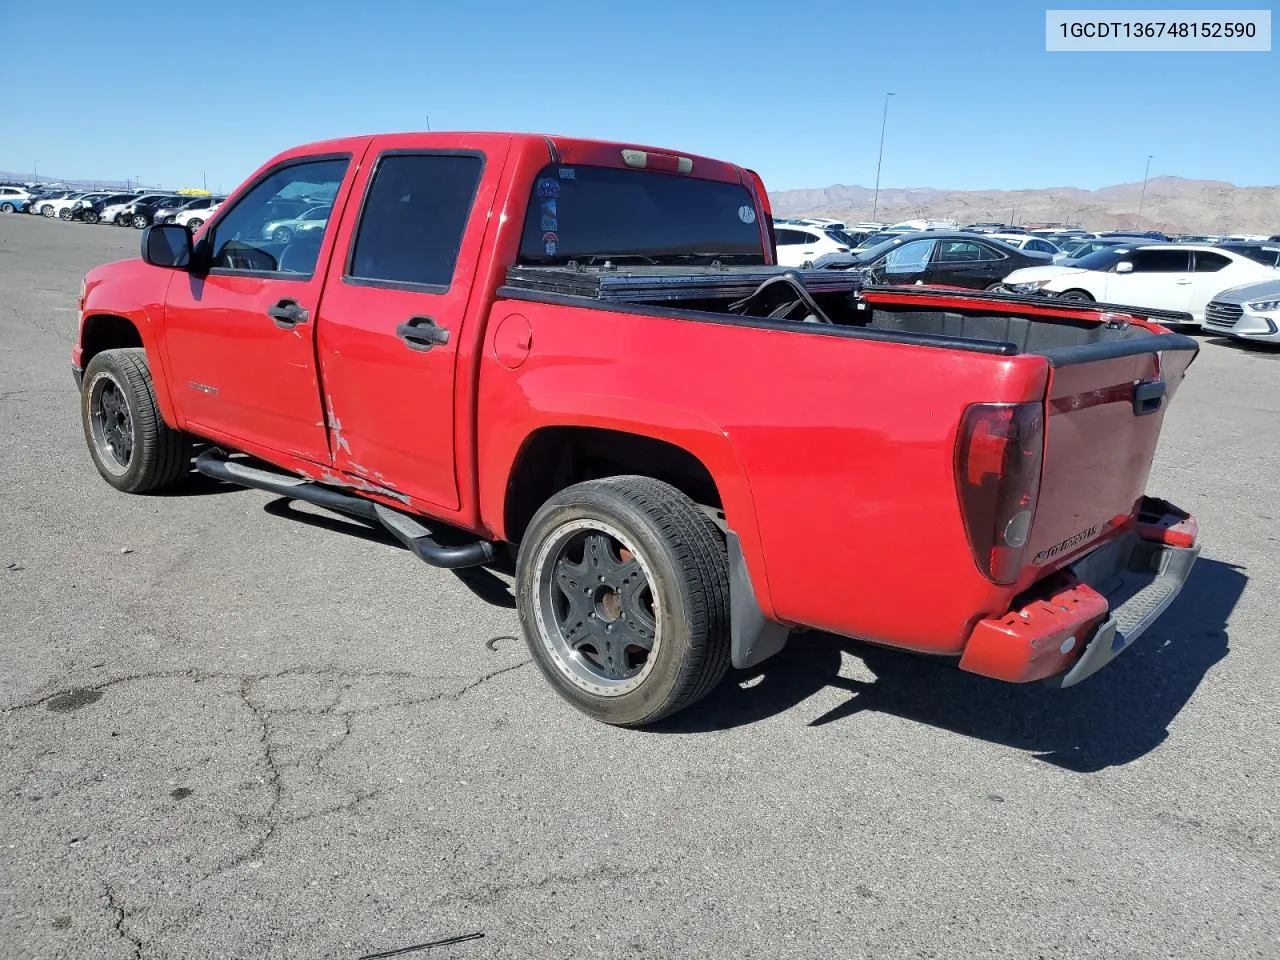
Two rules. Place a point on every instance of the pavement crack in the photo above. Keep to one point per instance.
(490, 893)
(486, 678)
(118, 910)
(194, 675)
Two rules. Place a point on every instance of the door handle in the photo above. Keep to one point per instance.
(287, 314)
(1183, 283)
(422, 333)
(1148, 397)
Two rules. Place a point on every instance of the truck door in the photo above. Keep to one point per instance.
(391, 324)
(240, 336)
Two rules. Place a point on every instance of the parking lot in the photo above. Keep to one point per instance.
(239, 727)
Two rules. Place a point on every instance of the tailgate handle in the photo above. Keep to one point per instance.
(1147, 397)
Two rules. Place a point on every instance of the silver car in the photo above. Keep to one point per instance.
(1250, 312)
(282, 231)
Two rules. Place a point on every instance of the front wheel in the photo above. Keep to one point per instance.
(623, 592)
(282, 235)
(47, 210)
(7, 208)
(64, 213)
(131, 445)
(194, 224)
(91, 216)
(1082, 296)
(139, 222)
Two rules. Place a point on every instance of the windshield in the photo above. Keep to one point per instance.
(1103, 259)
(591, 214)
(878, 238)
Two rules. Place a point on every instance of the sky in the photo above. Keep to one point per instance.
(180, 95)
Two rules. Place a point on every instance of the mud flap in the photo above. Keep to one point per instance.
(754, 638)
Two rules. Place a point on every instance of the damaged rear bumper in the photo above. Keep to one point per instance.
(1097, 609)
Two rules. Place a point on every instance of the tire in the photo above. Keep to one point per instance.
(129, 442)
(65, 214)
(655, 570)
(281, 234)
(993, 287)
(7, 208)
(139, 222)
(194, 224)
(47, 210)
(1082, 296)
(91, 216)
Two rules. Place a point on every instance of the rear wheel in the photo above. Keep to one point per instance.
(139, 221)
(64, 213)
(131, 445)
(47, 210)
(282, 235)
(91, 216)
(1081, 295)
(7, 208)
(623, 592)
(195, 223)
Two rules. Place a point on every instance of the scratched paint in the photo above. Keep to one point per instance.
(336, 426)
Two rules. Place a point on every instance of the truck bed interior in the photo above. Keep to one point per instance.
(994, 321)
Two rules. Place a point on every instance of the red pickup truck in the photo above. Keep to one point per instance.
(584, 351)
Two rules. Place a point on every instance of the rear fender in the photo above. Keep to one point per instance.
(680, 427)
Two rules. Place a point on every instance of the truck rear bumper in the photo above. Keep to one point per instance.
(1100, 606)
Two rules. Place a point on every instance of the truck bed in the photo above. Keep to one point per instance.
(997, 323)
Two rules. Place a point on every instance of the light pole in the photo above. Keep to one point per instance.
(884, 118)
(1143, 195)
(35, 172)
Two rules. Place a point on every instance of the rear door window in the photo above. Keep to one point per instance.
(909, 258)
(1161, 261)
(415, 214)
(591, 214)
(1208, 262)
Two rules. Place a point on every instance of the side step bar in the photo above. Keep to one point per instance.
(215, 463)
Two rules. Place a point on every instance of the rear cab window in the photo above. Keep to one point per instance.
(591, 214)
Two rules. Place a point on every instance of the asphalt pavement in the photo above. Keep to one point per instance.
(235, 727)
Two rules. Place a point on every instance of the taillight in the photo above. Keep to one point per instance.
(998, 458)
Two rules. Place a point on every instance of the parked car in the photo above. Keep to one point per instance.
(96, 211)
(1177, 277)
(1028, 242)
(83, 205)
(1251, 312)
(142, 211)
(121, 211)
(40, 197)
(62, 207)
(14, 199)
(1074, 250)
(282, 231)
(799, 245)
(195, 217)
(582, 363)
(1147, 235)
(195, 206)
(1265, 253)
(955, 259)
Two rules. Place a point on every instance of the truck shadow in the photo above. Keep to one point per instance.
(1118, 715)
(481, 581)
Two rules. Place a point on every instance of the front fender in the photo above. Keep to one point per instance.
(133, 291)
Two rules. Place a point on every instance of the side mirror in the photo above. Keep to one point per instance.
(1124, 266)
(167, 245)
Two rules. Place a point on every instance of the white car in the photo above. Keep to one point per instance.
(798, 245)
(1025, 241)
(13, 199)
(1250, 312)
(1181, 278)
(195, 218)
(54, 208)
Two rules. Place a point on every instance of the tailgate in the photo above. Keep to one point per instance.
(1104, 409)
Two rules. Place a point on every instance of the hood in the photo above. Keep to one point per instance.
(1047, 272)
(1266, 290)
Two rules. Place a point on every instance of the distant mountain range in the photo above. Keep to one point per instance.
(1172, 204)
(8, 176)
